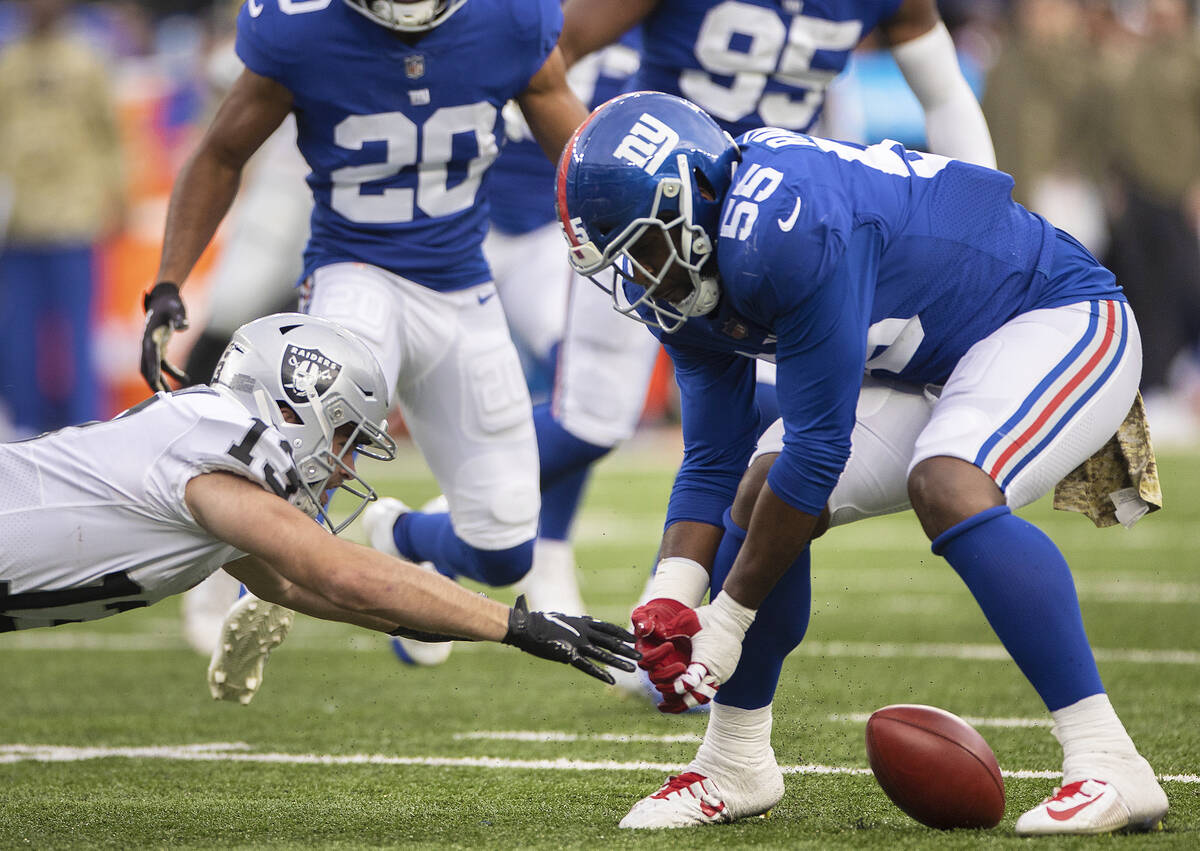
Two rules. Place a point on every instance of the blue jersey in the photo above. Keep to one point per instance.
(521, 184)
(836, 260)
(399, 132)
(750, 63)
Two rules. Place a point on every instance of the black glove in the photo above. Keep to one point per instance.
(164, 314)
(571, 639)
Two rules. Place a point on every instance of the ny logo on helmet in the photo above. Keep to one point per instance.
(647, 144)
(306, 373)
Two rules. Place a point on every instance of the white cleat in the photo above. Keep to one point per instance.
(691, 799)
(252, 629)
(1088, 806)
(378, 521)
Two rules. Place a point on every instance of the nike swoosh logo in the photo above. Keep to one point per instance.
(1063, 815)
(554, 618)
(484, 298)
(255, 8)
(787, 224)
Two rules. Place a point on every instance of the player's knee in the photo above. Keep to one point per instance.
(502, 567)
(945, 491)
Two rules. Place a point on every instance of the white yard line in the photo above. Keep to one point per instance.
(861, 718)
(239, 752)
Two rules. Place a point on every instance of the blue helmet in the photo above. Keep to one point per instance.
(646, 160)
(407, 16)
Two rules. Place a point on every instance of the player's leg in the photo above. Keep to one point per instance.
(466, 406)
(734, 773)
(1022, 409)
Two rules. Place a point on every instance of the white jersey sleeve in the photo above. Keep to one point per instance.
(93, 519)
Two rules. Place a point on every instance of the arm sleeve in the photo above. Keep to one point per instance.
(720, 425)
(821, 355)
(954, 122)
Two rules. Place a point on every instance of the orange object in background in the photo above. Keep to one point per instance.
(127, 263)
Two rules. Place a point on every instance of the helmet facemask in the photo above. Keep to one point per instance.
(335, 417)
(416, 17)
(687, 244)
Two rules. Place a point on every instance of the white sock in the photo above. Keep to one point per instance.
(551, 584)
(1092, 736)
(737, 741)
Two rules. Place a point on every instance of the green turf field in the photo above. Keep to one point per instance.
(109, 738)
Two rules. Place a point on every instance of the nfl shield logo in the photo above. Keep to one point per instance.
(414, 66)
(306, 374)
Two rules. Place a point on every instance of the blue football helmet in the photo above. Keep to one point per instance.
(646, 164)
(407, 16)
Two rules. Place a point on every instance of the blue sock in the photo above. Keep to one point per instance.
(777, 630)
(560, 503)
(431, 537)
(1023, 584)
(560, 453)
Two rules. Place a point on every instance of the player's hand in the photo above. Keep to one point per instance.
(165, 314)
(571, 639)
(663, 629)
(716, 647)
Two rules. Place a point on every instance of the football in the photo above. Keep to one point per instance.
(935, 767)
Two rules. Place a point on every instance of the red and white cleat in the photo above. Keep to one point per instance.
(693, 798)
(683, 801)
(1096, 806)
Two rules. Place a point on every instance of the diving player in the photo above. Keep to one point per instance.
(112, 516)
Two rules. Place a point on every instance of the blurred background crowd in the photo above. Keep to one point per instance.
(1093, 105)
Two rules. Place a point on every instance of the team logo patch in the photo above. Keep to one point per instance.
(306, 373)
(414, 66)
(647, 144)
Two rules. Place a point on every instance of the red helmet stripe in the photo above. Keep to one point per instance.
(560, 180)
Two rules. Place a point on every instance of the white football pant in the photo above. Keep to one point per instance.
(459, 386)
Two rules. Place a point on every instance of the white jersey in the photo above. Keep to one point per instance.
(93, 519)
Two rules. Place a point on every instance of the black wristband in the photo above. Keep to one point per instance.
(158, 289)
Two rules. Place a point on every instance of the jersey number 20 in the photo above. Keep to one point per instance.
(433, 194)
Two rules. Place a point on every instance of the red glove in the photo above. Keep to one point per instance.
(663, 629)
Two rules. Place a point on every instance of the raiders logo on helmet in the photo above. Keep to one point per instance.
(306, 373)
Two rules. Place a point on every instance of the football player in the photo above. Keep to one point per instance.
(116, 515)
(398, 109)
(836, 260)
(749, 63)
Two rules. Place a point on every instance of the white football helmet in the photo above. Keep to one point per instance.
(407, 16)
(309, 377)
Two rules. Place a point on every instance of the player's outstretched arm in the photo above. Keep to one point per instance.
(203, 191)
(331, 578)
(922, 47)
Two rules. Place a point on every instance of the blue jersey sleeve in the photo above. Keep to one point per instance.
(254, 44)
(720, 426)
(821, 353)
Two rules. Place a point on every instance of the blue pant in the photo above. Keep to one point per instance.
(47, 378)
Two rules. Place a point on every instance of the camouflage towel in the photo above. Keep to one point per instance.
(1119, 484)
